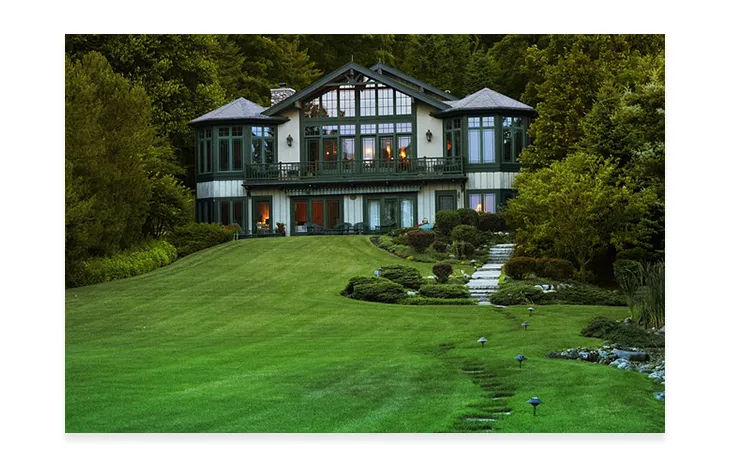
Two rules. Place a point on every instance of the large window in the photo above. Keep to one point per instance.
(480, 131)
(205, 155)
(452, 129)
(231, 211)
(263, 145)
(230, 148)
(316, 214)
(483, 202)
(513, 138)
(370, 100)
(387, 212)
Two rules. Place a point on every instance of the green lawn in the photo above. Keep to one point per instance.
(252, 336)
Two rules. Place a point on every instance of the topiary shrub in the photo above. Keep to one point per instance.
(442, 270)
(556, 269)
(420, 240)
(357, 281)
(439, 246)
(468, 216)
(193, 237)
(467, 234)
(444, 291)
(446, 220)
(379, 291)
(487, 221)
(409, 277)
(520, 267)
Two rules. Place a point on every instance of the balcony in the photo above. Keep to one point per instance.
(435, 168)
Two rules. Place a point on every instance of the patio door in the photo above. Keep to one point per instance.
(262, 217)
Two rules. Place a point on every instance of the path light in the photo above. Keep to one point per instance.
(482, 340)
(519, 358)
(531, 309)
(377, 272)
(525, 324)
(535, 402)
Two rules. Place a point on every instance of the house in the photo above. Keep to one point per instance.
(366, 149)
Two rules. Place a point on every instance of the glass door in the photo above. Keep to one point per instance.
(262, 217)
(330, 155)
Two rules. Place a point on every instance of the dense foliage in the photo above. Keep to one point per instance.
(420, 240)
(521, 267)
(444, 291)
(624, 334)
(526, 292)
(380, 291)
(409, 277)
(193, 237)
(442, 271)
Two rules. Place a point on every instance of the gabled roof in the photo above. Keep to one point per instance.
(317, 86)
(382, 68)
(239, 109)
(486, 99)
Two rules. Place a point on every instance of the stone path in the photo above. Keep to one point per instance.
(484, 280)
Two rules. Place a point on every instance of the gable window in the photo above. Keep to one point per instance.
(263, 145)
(513, 138)
(205, 156)
(480, 132)
(371, 99)
(483, 202)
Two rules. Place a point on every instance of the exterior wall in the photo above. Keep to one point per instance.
(291, 127)
(425, 122)
(427, 199)
(219, 188)
(490, 180)
(353, 209)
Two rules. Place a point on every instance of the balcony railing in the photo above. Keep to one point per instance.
(435, 167)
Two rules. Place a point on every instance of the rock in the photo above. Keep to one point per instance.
(617, 362)
(659, 396)
(411, 293)
(625, 366)
(591, 356)
(631, 355)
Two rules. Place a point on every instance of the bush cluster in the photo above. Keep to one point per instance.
(409, 277)
(446, 220)
(380, 291)
(420, 240)
(621, 334)
(467, 234)
(439, 246)
(442, 271)
(487, 221)
(522, 267)
(388, 243)
(444, 291)
(468, 216)
(146, 258)
(463, 250)
(193, 237)
(512, 293)
(519, 293)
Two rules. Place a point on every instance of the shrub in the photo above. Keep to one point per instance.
(520, 267)
(380, 291)
(463, 250)
(487, 221)
(357, 281)
(519, 293)
(651, 302)
(442, 270)
(193, 237)
(468, 216)
(421, 301)
(556, 269)
(439, 246)
(409, 277)
(143, 259)
(401, 231)
(447, 220)
(589, 295)
(627, 335)
(444, 291)
(628, 277)
(467, 234)
(420, 240)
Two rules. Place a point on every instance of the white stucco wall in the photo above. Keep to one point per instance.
(291, 127)
(424, 122)
(427, 199)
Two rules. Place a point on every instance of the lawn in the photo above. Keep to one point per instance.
(252, 336)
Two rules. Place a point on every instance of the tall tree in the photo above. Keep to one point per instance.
(439, 59)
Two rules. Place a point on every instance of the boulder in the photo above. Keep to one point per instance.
(631, 355)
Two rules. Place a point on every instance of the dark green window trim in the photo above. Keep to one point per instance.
(447, 193)
(383, 199)
(310, 220)
(260, 135)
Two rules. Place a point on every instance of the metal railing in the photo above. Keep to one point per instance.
(434, 167)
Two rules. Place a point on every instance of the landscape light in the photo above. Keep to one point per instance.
(519, 358)
(482, 340)
(534, 401)
(525, 324)
(531, 309)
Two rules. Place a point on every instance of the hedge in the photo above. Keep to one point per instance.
(444, 291)
(357, 281)
(512, 293)
(467, 234)
(143, 259)
(380, 291)
(446, 220)
(193, 237)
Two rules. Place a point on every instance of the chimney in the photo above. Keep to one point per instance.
(280, 93)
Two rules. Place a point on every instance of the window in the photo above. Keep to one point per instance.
(483, 202)
(513, 138)
(453, 138)
(205, 158)
(263, 145)
(385, 101)
(230, 148)
(403, 104)
(386, 212)
(480, 136)
(367, 100)
(230, 211)
(314, 215)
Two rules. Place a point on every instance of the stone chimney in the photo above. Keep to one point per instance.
(280, 93)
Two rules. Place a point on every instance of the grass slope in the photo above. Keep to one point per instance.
(252, 336)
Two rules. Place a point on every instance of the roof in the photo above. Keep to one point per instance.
(239, 109)
(380, 68)
(486, 99)
(317, 86)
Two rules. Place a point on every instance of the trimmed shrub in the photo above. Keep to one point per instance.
(357, 281)
(421, 301)
(487, 221)
(520, 267)
(439, 246)
(444, 291)
(409, 277)
(463, 250)
(380, 291)
(589, 295)
(621, 334)
(519, 293)
(447, 220)
(401, 231)
(143, 259)
(420, 240)
(467, 234)
(556, 269)
(442, 270)
(193, 237)
(468, 216)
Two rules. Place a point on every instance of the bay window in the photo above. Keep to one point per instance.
(263, 142)
(513, 138)
(480, 131)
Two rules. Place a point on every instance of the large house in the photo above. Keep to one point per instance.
(361, 149)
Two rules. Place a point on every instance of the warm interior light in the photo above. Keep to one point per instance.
(389, 151)
(448, 145)
(402, 153)
(479, 208)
